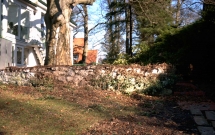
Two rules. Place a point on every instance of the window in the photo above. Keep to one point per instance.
(19, 55)
(26, 50)
(13, 18)
(75, 57)
(22, 55)
(18, 20)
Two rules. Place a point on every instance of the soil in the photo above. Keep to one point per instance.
(156, 115)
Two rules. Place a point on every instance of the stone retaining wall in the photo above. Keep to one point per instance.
(105, 76)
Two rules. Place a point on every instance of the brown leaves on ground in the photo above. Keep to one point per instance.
(121, 114)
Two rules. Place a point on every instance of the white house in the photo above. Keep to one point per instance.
(22, 27)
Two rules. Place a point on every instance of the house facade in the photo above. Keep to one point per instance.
(92, 55)
(23, 30)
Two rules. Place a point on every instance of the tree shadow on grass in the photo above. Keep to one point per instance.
(2, 133)
(167, 113)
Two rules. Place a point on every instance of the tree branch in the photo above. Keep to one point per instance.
(95, 26)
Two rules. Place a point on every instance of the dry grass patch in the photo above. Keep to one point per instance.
(22, 114)
(27, 110)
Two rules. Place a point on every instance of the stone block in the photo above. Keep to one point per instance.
(206, 130)
(210, 115)
(200, 120)
(213, 124)
(195, 111)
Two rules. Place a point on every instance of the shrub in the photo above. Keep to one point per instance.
(128, 84)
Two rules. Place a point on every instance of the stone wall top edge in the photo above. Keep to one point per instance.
(57, 67)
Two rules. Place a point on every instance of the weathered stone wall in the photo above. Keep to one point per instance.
(108, 76)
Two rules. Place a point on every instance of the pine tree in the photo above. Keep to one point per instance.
(154, 18)
(118, 24)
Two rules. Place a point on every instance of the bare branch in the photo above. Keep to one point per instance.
(95, 26)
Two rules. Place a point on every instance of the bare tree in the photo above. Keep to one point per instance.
(83, 19)
(186, 11)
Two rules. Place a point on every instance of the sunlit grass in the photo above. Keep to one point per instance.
(21, 114)
(24, 114)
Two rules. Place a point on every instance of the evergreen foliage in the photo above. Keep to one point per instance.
(192, 45)
(154, 18)
(190, 48)
(116, 26)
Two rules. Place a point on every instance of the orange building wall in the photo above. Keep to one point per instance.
(78, 49)
(91, 56)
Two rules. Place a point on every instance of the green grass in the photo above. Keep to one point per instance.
(24, 114)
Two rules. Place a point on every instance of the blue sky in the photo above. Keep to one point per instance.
(95, 16)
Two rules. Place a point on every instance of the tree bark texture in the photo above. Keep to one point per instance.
(178, 13)
(57, 19)
(84, 56)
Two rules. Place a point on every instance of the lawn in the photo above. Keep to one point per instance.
(63, 109)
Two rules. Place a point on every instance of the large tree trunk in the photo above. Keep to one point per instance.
(57, 19)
